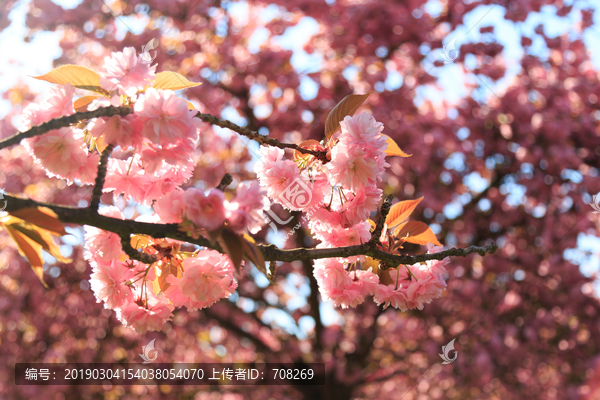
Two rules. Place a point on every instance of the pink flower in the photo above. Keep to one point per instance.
(360, 206)
(128, 178)
(428, 286)
(388, 295)
(125, 72)
(278, 177)
(116, 130)
(58, 105)
(206, 279)
(338, 236)
(363, 284)
(165, 117)
(206, 212)
(136, 315)
(87, 172)
(61, 152)
(244, 212)
(352, 168)
(100, 245)
(61, 102)
(108, 283)
(269, 155)
(365, 132)
(170, 207)
(331, 276)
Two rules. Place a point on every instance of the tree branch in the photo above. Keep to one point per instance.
(99, 184)
(125, 110)
(84, 216)
(136, 254)
(62, 122)
(385, 209)
(211, 119)
(225, 181)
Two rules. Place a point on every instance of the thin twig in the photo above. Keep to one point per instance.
(100, 177)
(83, 216)
(225, 181)
(136, 254)
(211, 119)
(62, 122)
(385, 209)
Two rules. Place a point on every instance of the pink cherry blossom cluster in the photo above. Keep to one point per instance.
(127, 287)
(338, 197)
(61, 152)
(210, 211)
(151, 160)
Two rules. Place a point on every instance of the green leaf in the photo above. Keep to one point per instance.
(78, 76)
(346, 107)
(172, 81)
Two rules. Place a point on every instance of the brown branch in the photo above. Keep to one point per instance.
(99, 184)
(62, 122)
(136, 254)
(225, 181)
(211, 119)
(84, 216)
(385, 209)
(125, 110)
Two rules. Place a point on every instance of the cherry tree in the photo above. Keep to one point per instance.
(114, 132)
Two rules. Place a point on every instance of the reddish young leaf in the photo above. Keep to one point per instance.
(401, 211)
(308, 144)
(384, 277)
(81, 104)
(43, 238)
(43, 217)
(233, 246)
(416, 232)
(393, 149)
(346, 107)
(30, 250)
(167, 269)
(253, 254)
(173, 81)
(78, 76)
